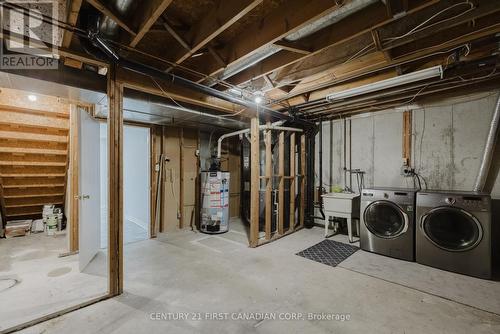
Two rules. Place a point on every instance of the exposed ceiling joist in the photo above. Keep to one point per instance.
(439, 42)
(74, 10)
(174, 33)
(359, 23)
(112, 14)
(151, 11)
(293, 47)
(287, 18)
(428, 33)
(214, 23)
(486, 8)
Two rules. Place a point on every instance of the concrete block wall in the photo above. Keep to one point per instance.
(448, 139)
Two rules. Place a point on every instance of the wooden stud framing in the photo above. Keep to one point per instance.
(281, 185)
(115, 186)
(302, 179)
(254, 181)
(156, 151)
(407, 129)
(292, 182)
(74, 205)
(181, 179)
(269, 182)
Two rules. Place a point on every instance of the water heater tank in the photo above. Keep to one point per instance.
(214, 217)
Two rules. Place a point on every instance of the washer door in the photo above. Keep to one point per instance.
(451, 229)
(385, 219)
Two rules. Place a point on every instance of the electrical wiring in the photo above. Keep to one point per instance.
(180, 106)
(172, 182)
(359, 53)
(405, 102)
(417, 28)
(479, 78)
(83, 33)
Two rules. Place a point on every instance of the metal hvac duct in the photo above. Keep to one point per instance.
(484, 168)
(177, 80)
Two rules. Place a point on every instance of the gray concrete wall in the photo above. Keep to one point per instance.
(448, 139)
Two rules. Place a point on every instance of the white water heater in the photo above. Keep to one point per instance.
(214, 217)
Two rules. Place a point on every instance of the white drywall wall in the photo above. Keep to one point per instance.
(136, 179)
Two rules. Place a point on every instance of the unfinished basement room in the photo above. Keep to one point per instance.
(250, 166)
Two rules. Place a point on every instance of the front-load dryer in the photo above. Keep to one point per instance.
(387, 222)
(454, 232)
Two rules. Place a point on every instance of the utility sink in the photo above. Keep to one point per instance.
(341, 203)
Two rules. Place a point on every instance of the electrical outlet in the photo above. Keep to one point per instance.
(407, 171)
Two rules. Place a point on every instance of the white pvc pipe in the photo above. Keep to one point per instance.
(261, 128)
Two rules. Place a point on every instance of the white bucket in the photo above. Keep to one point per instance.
(51, 225)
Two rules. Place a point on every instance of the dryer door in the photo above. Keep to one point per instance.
(385, 219)
(451, 229)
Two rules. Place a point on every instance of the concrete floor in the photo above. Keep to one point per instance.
(34, 281)
(132, 232)
(198, 274)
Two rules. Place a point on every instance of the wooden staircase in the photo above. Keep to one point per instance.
(33, 153)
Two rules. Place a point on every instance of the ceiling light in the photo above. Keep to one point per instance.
(32, 97)
(258, 97)
(432, 72)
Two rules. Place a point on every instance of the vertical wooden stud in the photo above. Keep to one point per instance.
(302, 179)
(292, 181)
(281, 185)
(115, 186)
(255, 182)
(269, 182)
(181, 178)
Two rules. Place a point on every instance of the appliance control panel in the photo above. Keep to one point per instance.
(476, 203)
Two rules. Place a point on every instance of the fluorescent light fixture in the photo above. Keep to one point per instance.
(32, 97)
(428, 73)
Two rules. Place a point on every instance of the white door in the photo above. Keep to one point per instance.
(89, 188)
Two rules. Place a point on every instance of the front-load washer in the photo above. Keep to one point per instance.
(454, 232)
(387, 222)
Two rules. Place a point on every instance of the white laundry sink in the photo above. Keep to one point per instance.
(340, 204)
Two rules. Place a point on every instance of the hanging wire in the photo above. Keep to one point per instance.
(422, 25)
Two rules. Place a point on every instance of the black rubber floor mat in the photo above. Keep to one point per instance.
(328, 252)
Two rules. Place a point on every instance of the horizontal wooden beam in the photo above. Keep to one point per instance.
(112, 14)
(293, 47)
(40, 185)
(146, 84)
(429, 47)
(22, 150)
(72, 18)
(346, 30)
(149, 12)
(282, 21)
(225, 14)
